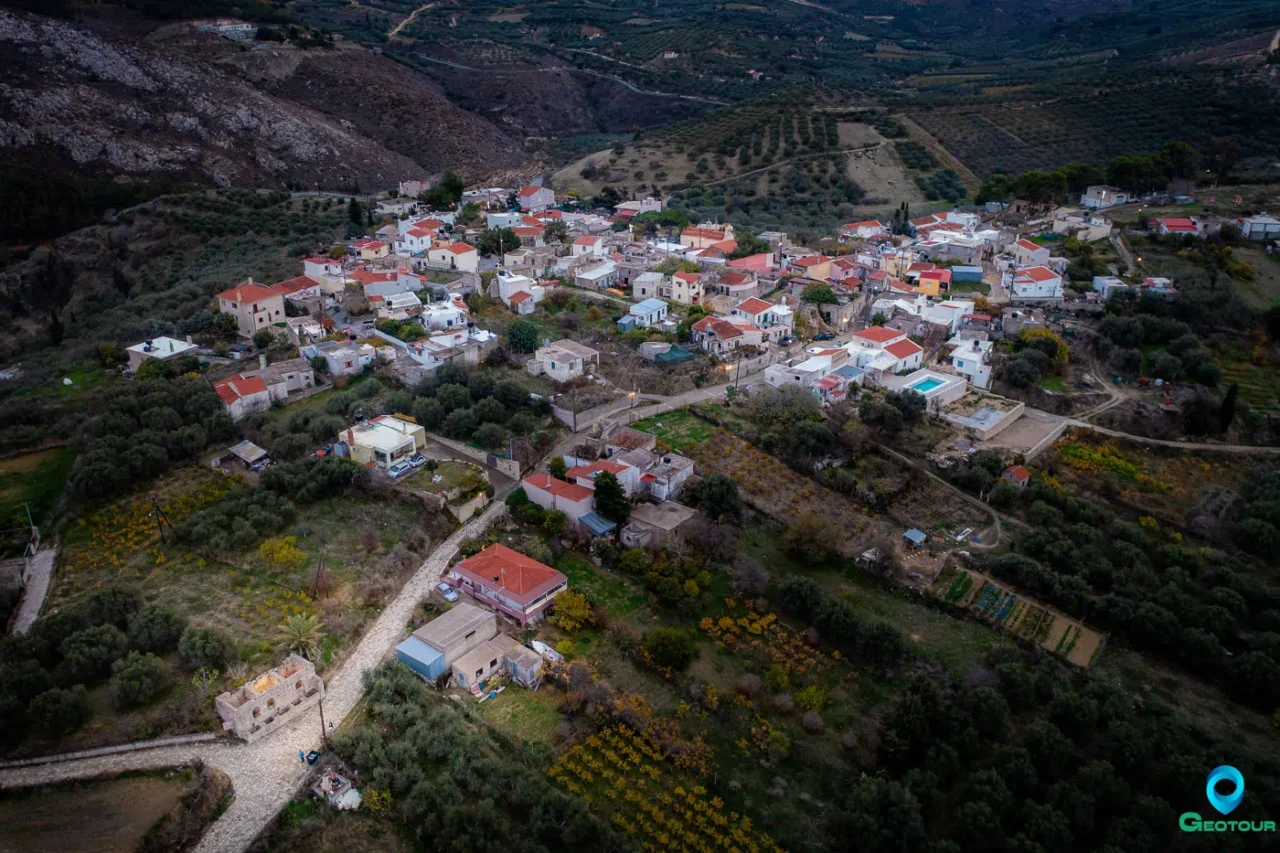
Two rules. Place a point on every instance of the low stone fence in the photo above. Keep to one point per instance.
(509, 467)
(177, 740)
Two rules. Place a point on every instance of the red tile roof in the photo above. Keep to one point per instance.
(690, 277)
(754, 306)
(1018, 473)
(866, 223)
(879, 334)
(525, 192)
(528, 230)
(457, 248)
(569, 491)
(596, 467)
(940, 275)
(294, 285)
(1037, 273)
(903, 349)
(235, 387)
(720, 328)
(521, 577)
(319, 260)
(921, 266)
(417, 232)
(762, 261)
(713, 234)
(733, 279)
(520, 296)
(931, 219)
(811, 260)
(726, 246)
(1028, 245)
(369, 277)
(1179, 224)
(429, 224)
(586, 240)
(247, 293)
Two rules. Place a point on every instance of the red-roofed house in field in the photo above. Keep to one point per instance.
(1017, 475)
(243, 395)
(550, 493)
(816, 267)
(1181, 225)
(1036, 284)
(864, 230)
(462, 257)
(418, 240)
(370, 250)
(508, 581)
(254, 306)
(534, 199)
(934, 282)
(1028, 254)
(588, 245)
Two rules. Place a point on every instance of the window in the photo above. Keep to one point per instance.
(479, 673)
(493, 663)
(297, 685)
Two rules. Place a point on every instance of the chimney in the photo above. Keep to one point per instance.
(171, 345)
(189, 340)
(262, 361)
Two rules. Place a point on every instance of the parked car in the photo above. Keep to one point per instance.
(450, 594)
(399, 469)
(417, 461)
(824, 336)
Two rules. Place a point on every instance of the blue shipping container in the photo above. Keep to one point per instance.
(421, 658)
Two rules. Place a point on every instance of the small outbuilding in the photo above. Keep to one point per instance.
(917, 538)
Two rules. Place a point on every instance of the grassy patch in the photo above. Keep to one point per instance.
(680, 429)
(452, 475)
(35, 481)
(1055, 383)
(970, 287)
(529, 715)
(612, 592)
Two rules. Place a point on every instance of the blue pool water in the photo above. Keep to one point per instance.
(924, 386)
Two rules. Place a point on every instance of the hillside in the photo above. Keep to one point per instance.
(82, 101)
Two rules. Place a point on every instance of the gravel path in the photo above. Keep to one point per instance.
(266, 774)
(37, 588)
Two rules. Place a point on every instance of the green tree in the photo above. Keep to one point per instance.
(718, 497)
(611, 498)
(671, 648)
(207, 647)
(137, 679)
(819, 294)
(556, 231)
(301, 633)
(995, 188)
(497, 241)
(354, 212)
(748, 245)
(58, 711)
(155, 628)
(557, 467)
(263, 338)
(89, 653)
(1227, 411)
(522, 335)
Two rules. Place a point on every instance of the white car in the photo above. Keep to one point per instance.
(450, 594)
(398, 470)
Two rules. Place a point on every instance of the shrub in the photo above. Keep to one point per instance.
(112, 605)
(137, 679)
(554, 522)
(516, 497)
(776, 678)
(718, 497)
(670, 648)
(812, 698)
(89, 653)
(570, 611)
(155, 628)
(283, 553)
(784, 704)
(813, 723)
(749, 685)
(205, 647)
(56, 712)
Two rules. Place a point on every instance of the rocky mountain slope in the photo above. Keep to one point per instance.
(121, 106)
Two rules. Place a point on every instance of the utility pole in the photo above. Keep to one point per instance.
(324, 732)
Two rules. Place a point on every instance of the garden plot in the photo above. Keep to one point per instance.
(993, 603)
(774, 489)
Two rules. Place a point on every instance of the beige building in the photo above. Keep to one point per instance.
(384, 440)
(254, 306)
(276, 697)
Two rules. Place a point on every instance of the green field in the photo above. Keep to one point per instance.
(451, 474)
(35, 481)
(618, 597)
(680, 429)
(525, 714)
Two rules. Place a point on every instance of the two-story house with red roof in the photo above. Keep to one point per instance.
(533, 199)
(508, 581)
(254, 306)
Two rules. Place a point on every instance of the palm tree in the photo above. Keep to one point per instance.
(300, 633)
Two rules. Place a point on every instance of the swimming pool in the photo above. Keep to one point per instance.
(924, 386)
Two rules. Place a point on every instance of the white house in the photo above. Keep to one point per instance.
(243, 395)
(284, 378)
(882, 351)
(1026, 254)
(418, 241)
(533, 199)
(399, 306)
(776, 321)
(648, 285)
(161, 349)
(562, 360)
(505, 219)
(456, 256)
(573, 500)
(519, 292)
(1100, 196)
(341, 358)
(585, 475)
(1106, 285)
(1036, 283)
(318, 266)
(1260, 227)
(588, 245)
(971, 359)
(650, 312)
(439, 316)
(863, 230)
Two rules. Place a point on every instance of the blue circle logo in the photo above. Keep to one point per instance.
(1225, 803)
